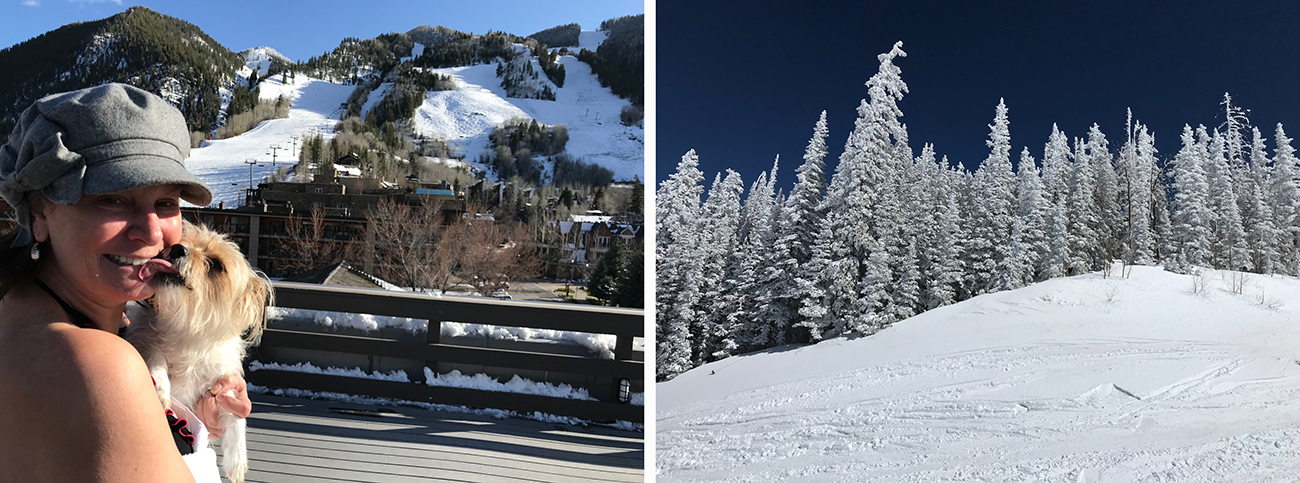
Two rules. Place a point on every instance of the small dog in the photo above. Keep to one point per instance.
(192, 331)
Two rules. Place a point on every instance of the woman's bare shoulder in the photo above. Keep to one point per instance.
(73, 382)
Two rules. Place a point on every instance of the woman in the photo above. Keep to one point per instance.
(95, 178)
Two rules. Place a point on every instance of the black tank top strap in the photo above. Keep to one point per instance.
(179, 427)
(78, 318)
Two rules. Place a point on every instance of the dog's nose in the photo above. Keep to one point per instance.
(178, 251)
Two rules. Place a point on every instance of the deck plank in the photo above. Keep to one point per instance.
(292, 439)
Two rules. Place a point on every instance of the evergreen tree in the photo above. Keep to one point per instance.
(1190, 216)
(1057, 171)
(1035, 214)
(718, 262)
(943, 267)
(1105, 195)
(1261, 232)
(1082, 217)
(995, 184)
(796, 233)
(1285, 191)
(630, 285)
(743, 300)
(603, 281)
(849, 261)
(1056, 167)
(1161, 225)
(1137, 164)
(1228, 235)
(677, 273)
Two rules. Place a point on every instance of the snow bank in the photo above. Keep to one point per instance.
(600, 345)
(1072, 379)
(395, 376)
(516, 384)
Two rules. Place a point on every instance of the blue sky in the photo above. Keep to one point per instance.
(301, 29)
(744, 85)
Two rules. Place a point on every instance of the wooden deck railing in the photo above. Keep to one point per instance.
(622, 323)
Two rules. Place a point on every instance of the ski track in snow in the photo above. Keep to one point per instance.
(1077, 379)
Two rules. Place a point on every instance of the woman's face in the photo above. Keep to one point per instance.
(101, 242)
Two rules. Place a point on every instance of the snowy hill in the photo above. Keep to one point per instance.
(220, 163)
(260, 58)
(466, 116)
(1079, 379)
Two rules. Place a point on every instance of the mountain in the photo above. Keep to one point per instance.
(432, 91)
(1153, 376)
(560, 36)
(458, 89)
(161, 54)
(265, 60)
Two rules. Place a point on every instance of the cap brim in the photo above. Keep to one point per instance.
(131, 172)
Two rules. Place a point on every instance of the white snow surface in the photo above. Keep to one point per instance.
(600, 345)
(1080, 379)
(464, 117)
(394, 376)
(516, 384)
(259, 59)
(220, 163)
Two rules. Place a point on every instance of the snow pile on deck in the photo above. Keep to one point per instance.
(600, 345)
(1086, 379)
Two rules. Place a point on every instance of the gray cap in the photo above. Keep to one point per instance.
(103, 139)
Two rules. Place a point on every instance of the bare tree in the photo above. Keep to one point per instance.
(405, 243)
(308, 245)
(486, 255)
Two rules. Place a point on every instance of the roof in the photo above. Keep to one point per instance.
(340, 274)
(591, 218)
(429, 191)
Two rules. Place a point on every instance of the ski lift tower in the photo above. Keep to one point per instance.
(274, 149)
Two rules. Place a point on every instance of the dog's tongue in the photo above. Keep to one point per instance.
(155, 266)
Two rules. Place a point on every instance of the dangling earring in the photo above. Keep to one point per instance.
(36, 251)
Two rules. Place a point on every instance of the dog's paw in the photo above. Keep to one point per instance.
(236, 471)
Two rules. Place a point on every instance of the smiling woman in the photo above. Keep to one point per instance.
(95, 178)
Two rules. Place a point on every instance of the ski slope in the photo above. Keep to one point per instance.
(220, 163)
(466, 116)
(1079, 379)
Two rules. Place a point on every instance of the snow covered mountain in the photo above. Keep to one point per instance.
(92, 53)
(141, 47)
(221, 163)
(260, 59)
(1152, 377)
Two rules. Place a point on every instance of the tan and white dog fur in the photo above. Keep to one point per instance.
(194, 329)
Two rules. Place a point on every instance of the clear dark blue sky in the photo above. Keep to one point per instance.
(300, 29)
(741, 85)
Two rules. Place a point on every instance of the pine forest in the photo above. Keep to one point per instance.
(893, 232)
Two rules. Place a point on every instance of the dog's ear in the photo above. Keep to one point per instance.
(259, 295)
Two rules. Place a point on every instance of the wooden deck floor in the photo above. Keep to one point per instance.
(292, 440)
